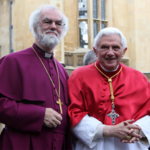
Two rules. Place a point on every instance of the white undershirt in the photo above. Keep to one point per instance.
(89, 132)
(109, 70)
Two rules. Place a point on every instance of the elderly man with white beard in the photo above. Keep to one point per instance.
(33, 89)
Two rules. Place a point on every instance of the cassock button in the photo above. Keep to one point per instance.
(104, 89)
(51, 68)
(105, 83)
(100, 111)
(101, 103)
(103, 96)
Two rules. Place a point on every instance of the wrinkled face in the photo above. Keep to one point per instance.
(110, 51)
(49, 30)
(49, 19)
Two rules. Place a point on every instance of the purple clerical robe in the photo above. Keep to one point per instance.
(25, 92)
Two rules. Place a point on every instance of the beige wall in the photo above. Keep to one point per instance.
(142, 31)
(131, 43)
(71, 11)
(4, 27)
(22, 38)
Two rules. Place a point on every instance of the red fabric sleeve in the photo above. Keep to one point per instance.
(77, 108)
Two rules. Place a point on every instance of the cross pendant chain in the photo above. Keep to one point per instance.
(113, 115)
(60, 105)
(58, 93)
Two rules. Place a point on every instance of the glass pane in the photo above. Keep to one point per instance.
(95, 11)
(82, 5)
(83, 32)
(95, 26)
(103, 25)
(103, 9)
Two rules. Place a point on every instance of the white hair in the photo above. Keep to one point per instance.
(89, 57)
(109, 31)
(35, 16)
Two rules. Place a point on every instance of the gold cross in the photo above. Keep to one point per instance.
(60, 105)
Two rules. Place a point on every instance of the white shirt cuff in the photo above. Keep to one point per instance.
(144, 123)
(99, 132)
(86, 130)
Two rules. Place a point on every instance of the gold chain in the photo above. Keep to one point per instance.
(110, 82)
(58, 94)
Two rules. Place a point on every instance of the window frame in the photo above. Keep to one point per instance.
(90, 21)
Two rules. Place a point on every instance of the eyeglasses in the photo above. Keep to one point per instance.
(48, 23)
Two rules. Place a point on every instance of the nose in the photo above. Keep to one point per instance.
(53, 25)
(110, 52)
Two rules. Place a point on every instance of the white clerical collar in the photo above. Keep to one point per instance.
(109, 70)
(47, 55)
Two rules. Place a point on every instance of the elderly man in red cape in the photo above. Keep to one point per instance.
(33, 89)
(110, 102)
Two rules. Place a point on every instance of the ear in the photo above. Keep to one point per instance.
(95, 51)
(124, 51)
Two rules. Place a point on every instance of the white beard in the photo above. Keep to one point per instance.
(47, 40)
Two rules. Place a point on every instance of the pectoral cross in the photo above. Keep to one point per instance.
(60, 105)
(113, 115)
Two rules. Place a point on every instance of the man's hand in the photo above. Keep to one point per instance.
(52, 118)
(134, 133)
(121, 130)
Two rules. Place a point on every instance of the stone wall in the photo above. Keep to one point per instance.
(4, 27)
(22, 38)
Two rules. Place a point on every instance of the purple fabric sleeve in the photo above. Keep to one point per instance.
(21, 116)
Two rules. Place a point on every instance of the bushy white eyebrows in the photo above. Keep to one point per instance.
(46, 18)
